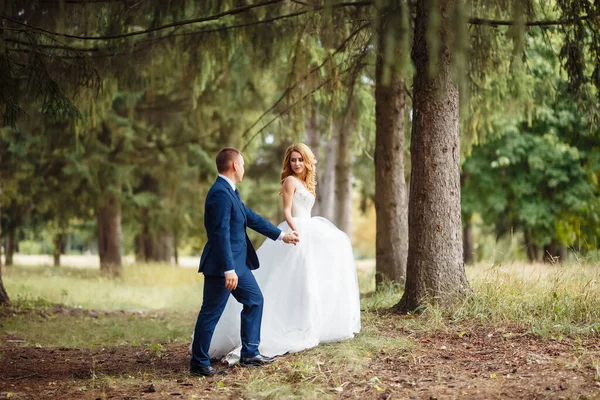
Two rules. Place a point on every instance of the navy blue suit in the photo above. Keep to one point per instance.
(229, 248)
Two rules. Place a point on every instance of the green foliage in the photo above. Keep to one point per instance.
(530, 182)
(159, 88)
(540, 176)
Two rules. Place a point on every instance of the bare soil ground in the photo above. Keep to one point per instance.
(484, 363)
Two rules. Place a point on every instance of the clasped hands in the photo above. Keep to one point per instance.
(291, 237)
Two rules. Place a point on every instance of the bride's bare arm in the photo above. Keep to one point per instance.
(288, 190)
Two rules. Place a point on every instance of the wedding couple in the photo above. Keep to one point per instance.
(307, 273)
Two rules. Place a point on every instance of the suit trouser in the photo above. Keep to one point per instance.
(214, 300)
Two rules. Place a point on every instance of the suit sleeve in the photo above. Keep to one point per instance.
(261, 225)
(219, 206)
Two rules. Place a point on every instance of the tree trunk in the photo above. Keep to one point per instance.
(140, 249)
(555, 252)
(175, 246)
(343, 175)
(532, 250)
(435, 268)
(326, 188)
(313, 139)
(4, 299)
(161, 248)
(109, 236)
(391, 241)
(10, 247)
(152, 247)
(468, 242)
(59, 248)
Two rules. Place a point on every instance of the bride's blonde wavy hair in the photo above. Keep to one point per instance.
(310, 174)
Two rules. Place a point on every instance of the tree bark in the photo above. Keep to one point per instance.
(59, 248)
(153, 247)
(326, 188)
(555, 252)
(532, 250)
(175, 246)
(10, 248)
(391, 241)
(343, 177)
(109, 236)
(4, 299)
(435, 268)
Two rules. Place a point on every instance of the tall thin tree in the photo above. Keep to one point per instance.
(391, 243)
(435, 268)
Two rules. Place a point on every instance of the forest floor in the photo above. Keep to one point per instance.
(527, 332)
(484, 362)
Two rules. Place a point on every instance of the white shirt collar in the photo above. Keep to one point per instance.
(228, 181)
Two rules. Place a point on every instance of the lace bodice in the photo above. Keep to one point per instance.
(303, 200)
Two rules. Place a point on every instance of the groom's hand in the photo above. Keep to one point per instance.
(291, 237)
(231, 280)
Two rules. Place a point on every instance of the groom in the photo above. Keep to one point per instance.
(227, 261)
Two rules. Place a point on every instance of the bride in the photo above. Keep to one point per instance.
(310, 290)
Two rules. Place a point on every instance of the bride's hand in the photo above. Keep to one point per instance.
(291, 237)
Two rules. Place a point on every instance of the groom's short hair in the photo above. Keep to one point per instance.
(225, 156)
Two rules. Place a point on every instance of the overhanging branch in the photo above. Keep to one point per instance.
(496, 23)
(239, 10)
(158, 28)
(339, 49)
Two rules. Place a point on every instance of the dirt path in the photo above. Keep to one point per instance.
(482, 364)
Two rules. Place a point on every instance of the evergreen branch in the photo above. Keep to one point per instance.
(154, 40)
(286, 110)
(53, 47)
(291, 106)
(339, 49)
(80, 1)
(234, 11)
(353, 79)
(495, 23)
(408, 92)
(30, 28)
(227, 28)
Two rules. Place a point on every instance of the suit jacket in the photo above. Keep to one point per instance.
(225, 220)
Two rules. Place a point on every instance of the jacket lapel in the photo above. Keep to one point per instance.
(236, 200)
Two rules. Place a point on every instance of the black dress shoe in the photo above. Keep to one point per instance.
(206, 371)
(256, 360)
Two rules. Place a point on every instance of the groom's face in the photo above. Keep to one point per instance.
(238, 164)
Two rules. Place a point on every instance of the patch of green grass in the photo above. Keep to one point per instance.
(386, 296)
(544, 300)
(322, 372)
(151, 286)
(50, 330)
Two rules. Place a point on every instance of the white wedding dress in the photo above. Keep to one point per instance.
(310, 290)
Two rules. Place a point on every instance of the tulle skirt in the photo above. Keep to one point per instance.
(310, 293)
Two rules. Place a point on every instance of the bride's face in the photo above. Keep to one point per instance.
(297, 163)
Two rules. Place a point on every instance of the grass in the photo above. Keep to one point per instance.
(56, 330)
(324, 370)
(543, 300)
(145, 287)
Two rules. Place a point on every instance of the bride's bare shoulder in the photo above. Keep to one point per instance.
(289, 184)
